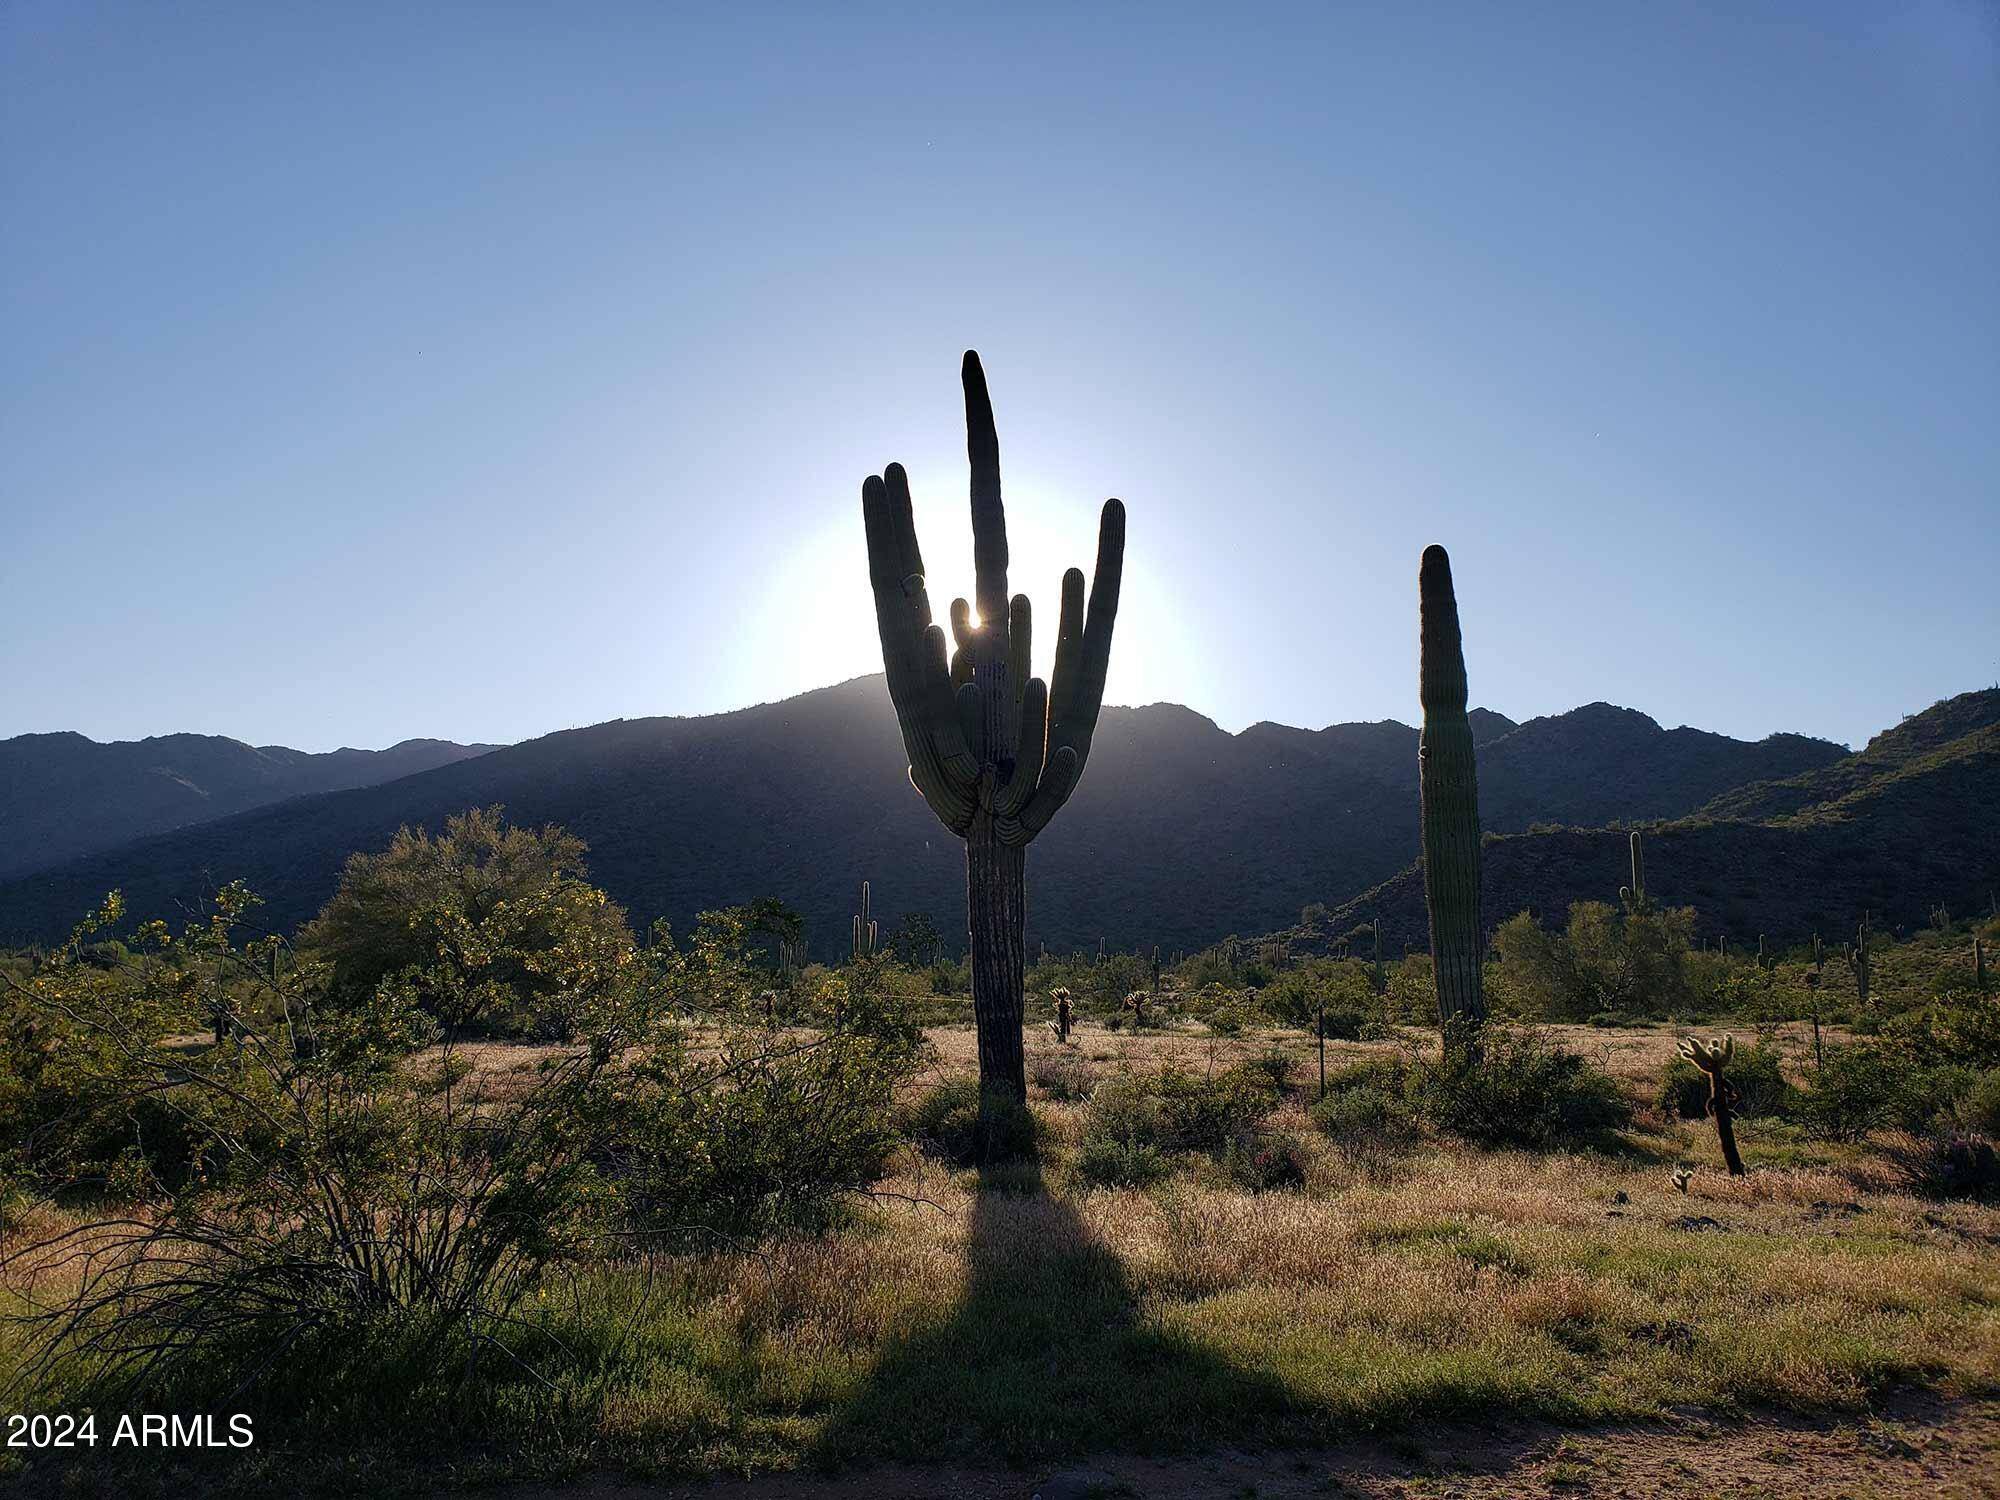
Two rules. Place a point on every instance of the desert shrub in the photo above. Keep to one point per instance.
(1295, 996)
(1978, 1109)
(1203, 1113)
(1411, 993)
(1343, 1025)
(352, 1178)
(1137, 1121)
(479, 920)
(755, 1138)
(1104, 1161)
(1521, 1091)
(1063, 1076)
(1230, 1019)
(351, 1173)
(1946, 1164)
(1867, 1086)
(1961, 1028)
(1264, 1161)
(1756, 1072)
(1605, 960)
(1275, 1063)
(1126, 1135)
(1221, 966)
(946, 1122)
(1365, 1106)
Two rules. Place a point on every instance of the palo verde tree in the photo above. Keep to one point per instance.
(994, 751)
(1450, 792)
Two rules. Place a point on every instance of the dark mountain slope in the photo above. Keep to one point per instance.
(1179, 834)
(1915, 830)
(1917, 736)
(62, 795)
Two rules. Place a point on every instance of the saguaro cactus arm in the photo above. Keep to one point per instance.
(982, 733)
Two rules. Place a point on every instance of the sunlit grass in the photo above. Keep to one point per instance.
(1028, 1316)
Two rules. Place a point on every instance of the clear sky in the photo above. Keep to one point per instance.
(475, 371)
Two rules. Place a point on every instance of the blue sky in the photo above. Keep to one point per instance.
(490, 370)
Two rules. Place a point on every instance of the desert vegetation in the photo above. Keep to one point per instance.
(465, 1178)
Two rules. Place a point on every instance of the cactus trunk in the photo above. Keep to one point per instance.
(1450, 799)
(996, 914)
(1725, 1125)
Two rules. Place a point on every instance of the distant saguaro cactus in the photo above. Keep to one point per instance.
(1712, 1057)
(864, 928)
(1861, 961)
(1450, 796)
(995, 751)
(1634, 895)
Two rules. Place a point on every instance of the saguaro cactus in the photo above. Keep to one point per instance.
(1634, 895)
(1712, 1057)
(864, 928)
(994, 751)
(1861, 961)
(1450, 792)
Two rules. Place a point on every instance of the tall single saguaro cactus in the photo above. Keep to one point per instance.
(864, 928)
(994, 751)
(1450, 791)
(1861, 961)
(1634, 895)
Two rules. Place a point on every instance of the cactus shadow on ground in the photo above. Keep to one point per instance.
(1048, 1353)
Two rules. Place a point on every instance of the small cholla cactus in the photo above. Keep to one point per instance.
(1712, 1057)
(1064, 1013)
(770, 1002)
(1682, 1177)
(1136, 1003)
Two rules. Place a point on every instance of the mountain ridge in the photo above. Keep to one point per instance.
(1180, 833)
(1906, 824)
(64, 795)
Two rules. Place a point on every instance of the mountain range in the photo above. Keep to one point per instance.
(1179, 834)
(62, 795)
(1908, 824)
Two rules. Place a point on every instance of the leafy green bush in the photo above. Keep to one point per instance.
(946, 1121)
(1275, 1063)
(1204, 1113)
(1605, 961)
(1867, 1086)
(1522, 1091)
(1962, 1027)
(338, 1173)
(1265, 1161)
(1756, 1072)
(1979, 1107)
(758, 1138)
(1365, 1105)
(1105, 1161)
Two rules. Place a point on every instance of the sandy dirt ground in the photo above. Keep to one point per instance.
(1912, 1445)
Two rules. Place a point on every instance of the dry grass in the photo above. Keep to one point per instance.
(1024, 1315)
